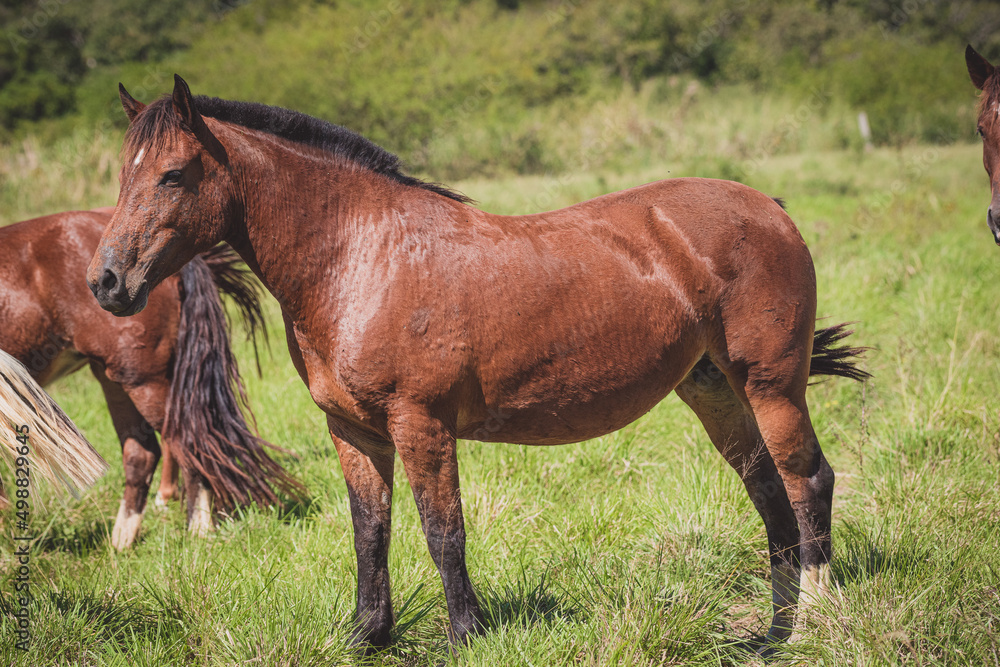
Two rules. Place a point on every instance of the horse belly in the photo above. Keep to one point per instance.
(65, 362)
(579, 400)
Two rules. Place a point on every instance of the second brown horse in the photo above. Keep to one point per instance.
(169, 370)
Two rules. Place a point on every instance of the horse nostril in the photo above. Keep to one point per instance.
(109, 280)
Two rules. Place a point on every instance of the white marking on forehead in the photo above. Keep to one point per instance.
(138, 157)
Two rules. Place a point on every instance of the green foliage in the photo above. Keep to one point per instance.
(38, 68)
(909, 91)
(413, 75)
(49, 46)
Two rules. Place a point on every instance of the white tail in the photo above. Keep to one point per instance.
(58, 451)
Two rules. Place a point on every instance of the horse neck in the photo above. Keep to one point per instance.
(293, 218)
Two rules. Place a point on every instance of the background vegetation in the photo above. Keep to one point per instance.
(465, 87)
(640, 547)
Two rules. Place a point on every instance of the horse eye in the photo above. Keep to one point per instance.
(171, 178)
(979, 130)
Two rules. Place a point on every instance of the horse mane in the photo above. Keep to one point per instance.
(990, 96)
(149, 129)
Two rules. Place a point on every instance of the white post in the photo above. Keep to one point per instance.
(866, 130)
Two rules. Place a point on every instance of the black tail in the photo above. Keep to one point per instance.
(204, 422)
(840, 361)
(233, 278)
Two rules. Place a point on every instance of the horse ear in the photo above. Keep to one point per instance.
(192, 120)
(184, 104)
(131, 105)
(979, 68)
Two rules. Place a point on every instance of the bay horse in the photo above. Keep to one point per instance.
(416, 319)
(37, 438)
(169, 370)
(985, 78)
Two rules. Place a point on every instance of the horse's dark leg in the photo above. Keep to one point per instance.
(140, 454)
(368, 472)
(427, 449)
(784, 422)
(775, 383)
(734, 433)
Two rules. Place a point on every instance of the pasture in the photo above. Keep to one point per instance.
(637, 548)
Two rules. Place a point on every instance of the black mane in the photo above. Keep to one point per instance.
(287, 124)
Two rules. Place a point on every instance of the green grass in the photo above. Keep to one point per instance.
(638, 548)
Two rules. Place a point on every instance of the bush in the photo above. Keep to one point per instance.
(406, 74)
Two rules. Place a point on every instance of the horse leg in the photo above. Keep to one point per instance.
(368, 472)
(734, 433)
(774, 383)
(140, 454)
(150, 398)
(168, 477)
(427, 449)
(808, 478)
(200, 509)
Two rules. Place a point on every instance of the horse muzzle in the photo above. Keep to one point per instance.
(994, 224)
(112, 293)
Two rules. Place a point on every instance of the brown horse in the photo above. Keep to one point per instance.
(168, 370)
(985, 78)
(416, 319)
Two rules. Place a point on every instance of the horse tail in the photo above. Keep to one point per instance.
(204, 420)
(840, 361)
(57, 450)
(234, 279)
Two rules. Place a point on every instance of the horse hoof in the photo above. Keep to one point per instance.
(126, 529)
(368, 643)
(817, 584)
(200, 521)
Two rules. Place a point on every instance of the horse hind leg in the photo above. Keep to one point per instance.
(783, 418)
(200, 505)
(168, 489)
(770, 366)
(733, 431)
(140, 454)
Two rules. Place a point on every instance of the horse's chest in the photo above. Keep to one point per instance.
(335, 383)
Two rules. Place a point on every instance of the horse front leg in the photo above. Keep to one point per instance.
(368, 469)
(140, 455)
(427, 449)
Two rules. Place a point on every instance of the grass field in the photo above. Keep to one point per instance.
(638, 548)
